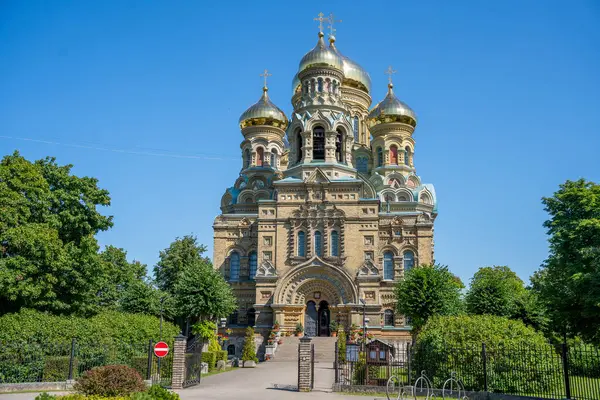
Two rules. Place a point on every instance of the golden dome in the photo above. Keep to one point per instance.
(354, 75)
(321, 56)
(264, 112)
(391, 109)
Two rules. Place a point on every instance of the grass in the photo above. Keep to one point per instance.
(215, 372)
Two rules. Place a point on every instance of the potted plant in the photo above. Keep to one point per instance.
(299, 329)
(276, 327)
(333, 328)
(249, 358)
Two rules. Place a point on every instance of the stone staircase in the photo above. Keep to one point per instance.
(288, 351)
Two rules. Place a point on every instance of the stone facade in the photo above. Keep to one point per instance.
(328, 211)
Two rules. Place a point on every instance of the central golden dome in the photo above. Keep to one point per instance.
(321, 56)
(354, 75)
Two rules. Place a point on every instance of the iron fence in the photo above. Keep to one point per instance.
(24, 362)
(571, 372)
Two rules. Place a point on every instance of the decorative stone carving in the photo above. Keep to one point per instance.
(266, 269)
(368, 269)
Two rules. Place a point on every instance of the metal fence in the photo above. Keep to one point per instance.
(57, 362)
(571, 372)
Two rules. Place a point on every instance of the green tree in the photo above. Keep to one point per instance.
(495, 291)
(569, 280)
(180, 254)
(201, 292)
(427, 291)
(249, 349)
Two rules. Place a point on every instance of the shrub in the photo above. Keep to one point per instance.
(44, 396)
(158, 392)
(210, 357)
(583, 358)
(249, 350)
(56, 369)
(518, 358)
(221, 355)
(341, 346)
(110, 380)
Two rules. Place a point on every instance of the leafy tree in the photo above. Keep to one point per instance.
(569, 280)
(427, 291)
(494, 291)
(249, 349)
(174, 260)
(202, 292)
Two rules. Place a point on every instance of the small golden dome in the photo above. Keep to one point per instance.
(264, 112)
(354, 75)
(321, 56)
(391, 109)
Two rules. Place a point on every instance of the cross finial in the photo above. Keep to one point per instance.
(321, 19)
(332, 21)
(265, 75)
(389, 72)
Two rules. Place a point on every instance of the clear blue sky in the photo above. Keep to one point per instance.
(507, 94)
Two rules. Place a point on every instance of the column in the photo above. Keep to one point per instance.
(304, 365)
(179, 362)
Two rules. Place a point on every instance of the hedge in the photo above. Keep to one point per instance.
(210, 358)
(29, 326)
(519, 359)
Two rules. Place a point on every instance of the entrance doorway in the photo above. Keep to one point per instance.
(310, 319)
(324, 318)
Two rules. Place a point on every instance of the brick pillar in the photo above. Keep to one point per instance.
(179, 362)
(304, 365)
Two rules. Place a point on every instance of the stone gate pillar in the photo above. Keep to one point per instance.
(179, 362)
(304, 365)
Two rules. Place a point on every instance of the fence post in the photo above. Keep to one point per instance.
(149, 372)
(336, 362)
(409, 355)
(72, 359)
(484, 358)
(179, 371)
(565, 357)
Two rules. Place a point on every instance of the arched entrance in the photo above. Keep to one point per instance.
(311, 320)
(324, 318)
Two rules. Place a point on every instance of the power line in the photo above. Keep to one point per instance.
(154, 153)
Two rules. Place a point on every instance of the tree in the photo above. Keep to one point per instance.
(48, 253)
(202, 292)
(174, 260)
(427, 291)
(249, 349)
(569, 281)
(495, 291)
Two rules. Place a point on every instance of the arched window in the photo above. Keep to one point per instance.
(231, 350)
(298, 146)
(252, 263)
(318, 244)
(338, 146)
(274, 158)
(355, 129)
(233, 318)
(407, 156)
(335, 244)
(247, 158)
(260, 156)
(318, 143)
(379, 157)
(234, 267)
(301, 244)
(362, 164)
(388, 265)
(251, 317)
(328, 85)
(388, 319)
(409, 260)
(320, 84)
(393, 155)
(312, 86)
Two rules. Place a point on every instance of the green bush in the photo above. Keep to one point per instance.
(56, 369)
(210, 358)
(222, 355)
(519, 360)
(583, 359)
(110, 380)
(249, 349)
(29, 326)
(44, 396)
(341, 346)
(158, 392)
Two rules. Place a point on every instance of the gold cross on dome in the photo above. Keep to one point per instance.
(389, 72)
(321, 19)
(332, 21)
(265, 75)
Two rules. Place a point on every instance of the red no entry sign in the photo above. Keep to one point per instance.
(161, 349)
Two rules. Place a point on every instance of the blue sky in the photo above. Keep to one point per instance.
(507, 94)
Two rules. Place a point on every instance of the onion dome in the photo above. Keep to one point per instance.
(264, 112)
(354, 75)
(391, 109)
(321, 56)
(296, 85)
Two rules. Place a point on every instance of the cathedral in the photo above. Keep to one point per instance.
(328, 211)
